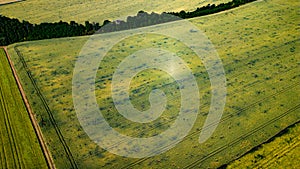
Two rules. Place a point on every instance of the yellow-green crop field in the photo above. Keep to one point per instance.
(37, 11)
(19, 144)
(282, 152)
(259, 47)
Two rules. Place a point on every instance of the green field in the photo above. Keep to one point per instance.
(281, 152)
(19, 144)
(259, 47)
(37, 11)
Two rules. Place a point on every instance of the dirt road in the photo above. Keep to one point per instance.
(36, 127)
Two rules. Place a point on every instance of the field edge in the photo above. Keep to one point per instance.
(36, 127)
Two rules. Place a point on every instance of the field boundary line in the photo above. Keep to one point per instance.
(273, 156)
(259, 82)
(244, 136)
(35, 125)
(256, 148)
(279, 155)
(224, 119)
(47, 109)
(11, 2)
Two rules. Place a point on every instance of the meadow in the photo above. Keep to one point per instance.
(36, 11)
(19, 144)
(259, 46)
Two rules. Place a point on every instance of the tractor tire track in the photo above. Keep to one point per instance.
(276, 154)
(3, 159)
(236, 75)
(10, 133)
(244, 136)
(241, 110)
(224, 119)
(35, 125)
(45, 104)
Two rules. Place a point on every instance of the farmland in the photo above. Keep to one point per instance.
(259, 47)
(280, 152)
(36, 11)
(19, 144)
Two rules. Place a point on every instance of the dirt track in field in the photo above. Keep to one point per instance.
(36, 127)
(6, 2)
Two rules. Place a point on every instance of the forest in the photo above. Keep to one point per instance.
(13, 30)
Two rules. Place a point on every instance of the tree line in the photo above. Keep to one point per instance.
(13, 30)
(210, 9)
